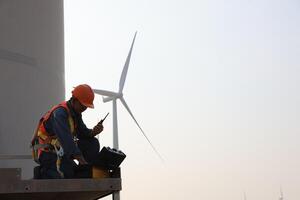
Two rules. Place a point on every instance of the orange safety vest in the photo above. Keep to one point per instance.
(42, 138)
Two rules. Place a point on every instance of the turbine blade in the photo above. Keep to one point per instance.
(127, 108)
(125, 68)
(105, 93)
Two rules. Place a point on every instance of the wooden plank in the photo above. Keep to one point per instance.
(60, 185)
(55, 196)
(13, 188)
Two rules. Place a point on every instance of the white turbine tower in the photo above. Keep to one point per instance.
(281, 194)
(114, 96)
(245, 197)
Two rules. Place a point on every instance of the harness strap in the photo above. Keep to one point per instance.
(40, 146)
(59, 154)
(57, 149)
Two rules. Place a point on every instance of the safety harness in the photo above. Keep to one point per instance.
(44, 141)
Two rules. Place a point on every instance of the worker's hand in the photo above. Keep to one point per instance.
(81, 160)
(97, 129)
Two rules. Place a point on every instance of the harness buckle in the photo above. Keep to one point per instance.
(60, 152)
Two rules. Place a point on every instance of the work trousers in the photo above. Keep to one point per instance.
(48, 170)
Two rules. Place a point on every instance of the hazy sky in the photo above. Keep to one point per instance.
(213, 83)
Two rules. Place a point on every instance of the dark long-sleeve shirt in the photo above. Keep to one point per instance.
(58, 124)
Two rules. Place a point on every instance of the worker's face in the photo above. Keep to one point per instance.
(78, 107)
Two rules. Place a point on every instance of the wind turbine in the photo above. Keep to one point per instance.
(114, 96)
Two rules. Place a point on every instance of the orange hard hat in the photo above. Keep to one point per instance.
(84, 94)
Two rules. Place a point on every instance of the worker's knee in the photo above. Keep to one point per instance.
(95, 144)
(89, 148)
(91, 144)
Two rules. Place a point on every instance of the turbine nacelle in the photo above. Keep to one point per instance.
(110, 98)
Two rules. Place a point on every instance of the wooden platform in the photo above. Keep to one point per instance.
(13, 188)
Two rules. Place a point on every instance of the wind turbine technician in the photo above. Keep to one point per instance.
(61, 136)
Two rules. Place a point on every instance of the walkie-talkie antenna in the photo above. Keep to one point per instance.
(102, 120)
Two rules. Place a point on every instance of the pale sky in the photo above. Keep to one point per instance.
(214, 84)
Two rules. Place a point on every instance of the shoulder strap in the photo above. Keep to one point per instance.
(35, 134)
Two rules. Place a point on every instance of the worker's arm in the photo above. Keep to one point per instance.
(97, 129)
(84, 132)
(60, 126)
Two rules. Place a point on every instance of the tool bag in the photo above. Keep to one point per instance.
(109, 158)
